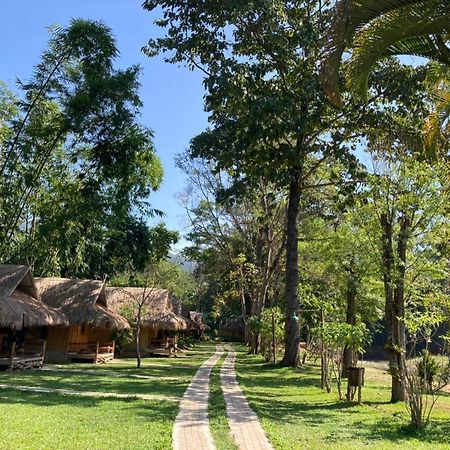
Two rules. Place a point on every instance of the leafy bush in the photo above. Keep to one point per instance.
(427, 369)
(122, 339)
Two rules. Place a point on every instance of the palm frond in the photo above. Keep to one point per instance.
(430, 47)
(421, 19)
(363, 18)
(436, 129)
(350, 16)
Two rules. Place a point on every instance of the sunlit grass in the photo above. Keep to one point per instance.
(297, 414)
(55, 421)
(294, 411)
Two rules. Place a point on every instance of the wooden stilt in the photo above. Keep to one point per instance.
(12, 353)
(96, 352)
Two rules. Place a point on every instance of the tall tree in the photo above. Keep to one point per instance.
(407, 200)
(264, 96)
(75, 156)
(246, 235)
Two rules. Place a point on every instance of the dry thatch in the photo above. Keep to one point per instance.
(177, 308)
(20, 305)
(197, 318)
(158, 312)
(83, 302)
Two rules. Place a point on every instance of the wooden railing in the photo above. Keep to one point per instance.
(30, 354)
(91, 347)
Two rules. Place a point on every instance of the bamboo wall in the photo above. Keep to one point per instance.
(30, 339)
(59, 338)
(147, 334)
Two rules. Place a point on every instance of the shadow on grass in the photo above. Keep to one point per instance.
(149, 410)
(160, 384)
(285, 395)
(438, 431)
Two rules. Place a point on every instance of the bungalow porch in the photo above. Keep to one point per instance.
(24, 320)
(160, 323)
(90, 336)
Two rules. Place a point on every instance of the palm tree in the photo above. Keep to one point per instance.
(436, 130)
(377, 28)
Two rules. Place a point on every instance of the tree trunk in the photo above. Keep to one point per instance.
(347, 359)
(393, 278)
(399, 332)
(255, 337)
(138, 340)
(274, 342)
(292, 332)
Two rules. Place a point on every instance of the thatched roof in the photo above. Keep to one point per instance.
(177, 308)
(82, 301)
(197, 318)
(158, 312)
(20, 304)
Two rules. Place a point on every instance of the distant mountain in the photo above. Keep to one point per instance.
(177, 258)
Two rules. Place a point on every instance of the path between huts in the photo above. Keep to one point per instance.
(191, 429)
(90, 393)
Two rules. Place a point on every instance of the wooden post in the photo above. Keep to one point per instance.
(96, 351)
(355, 381)
(322, 356)
(44, 346)
(11, 355)
(274, 344)
(114, 348)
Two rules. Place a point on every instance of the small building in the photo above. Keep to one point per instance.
(90, 334)
(24, 319)
(233, 328)
(197, 318)
(159, 322)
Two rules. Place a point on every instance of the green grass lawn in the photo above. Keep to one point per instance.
(297, 414)
(164, 376)
(294, 411)
(54, 421)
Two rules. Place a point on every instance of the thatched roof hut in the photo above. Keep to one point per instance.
(83, 302)
(158, 308)
(20, 304)
(197, 318)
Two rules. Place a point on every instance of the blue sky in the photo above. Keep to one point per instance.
(172, 96)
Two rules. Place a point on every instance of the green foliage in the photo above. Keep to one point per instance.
(427, 368)
(122, 338)
(79, 165)
(337, 336)
(133, 245)
(375, 30)
(272, 324)
(158, 275)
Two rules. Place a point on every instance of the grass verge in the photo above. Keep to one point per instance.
(55, 421)
(297, 414)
